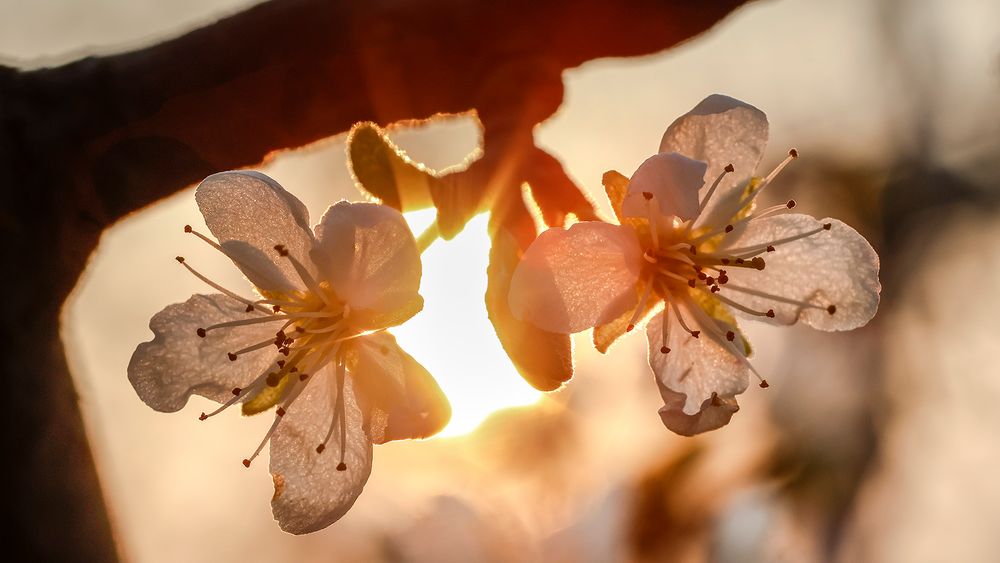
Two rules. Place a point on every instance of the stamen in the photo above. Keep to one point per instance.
(665, 332)
(769, 313)
(680, 319)
(642, 305)
(303, 273)
(779, 298)
(202, 332)
(748, 251)
(718, 180)
(212, 284)
(792, 155)
(237, 394)
(251, 348)
(716, 335)
(292, 394)
(651, 216)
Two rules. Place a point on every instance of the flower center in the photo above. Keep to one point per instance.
(688, 265)
(313, 324)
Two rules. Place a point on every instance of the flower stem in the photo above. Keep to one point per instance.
(427, 238)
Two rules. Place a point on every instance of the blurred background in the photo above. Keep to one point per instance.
(874, 445)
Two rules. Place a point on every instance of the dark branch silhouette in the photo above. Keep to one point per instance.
(89, 142)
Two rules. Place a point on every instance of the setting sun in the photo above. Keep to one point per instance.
(453, 338)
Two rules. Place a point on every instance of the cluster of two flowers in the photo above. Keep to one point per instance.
(312, 343)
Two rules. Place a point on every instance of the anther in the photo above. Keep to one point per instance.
(729, 168)
(249, 308)
(794, 153)
(831, 309)
(692, 283)
(341, 466)
(790, 204)
(179, 259)
(695, 333)
(281, 363)
(281, 250)
(664, 350)
(769, 248)
(187, 228)
(303, 376)
(827, 226)
(280, 412)
(320, 448)
(647, 195)
(740, 261)
(201, 332)
(758, 262)
(715, 289)
(237, 391)
(694, 251)
(630, 328)
(272, 379)
(764, 384)
(770, 313)
(729, 228)
(246, 463)
(232, 357)
(730, 335)
(276, 308)
(725, 261)
(203, 416)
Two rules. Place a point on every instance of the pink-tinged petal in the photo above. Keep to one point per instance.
(309, 492)
(249, 213)
(571, 280)
(178, 363)
(400, 395)
(668, 180)
(720, 130)
(715, 413)
(369, 256)
(699, 368)
(801, 280)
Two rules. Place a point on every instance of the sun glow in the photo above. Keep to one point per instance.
(453, 338)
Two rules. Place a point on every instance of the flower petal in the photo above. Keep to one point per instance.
(719, 131)
(697, 368)
(309, 492)
(369, 256)
(831, 267)
(178, 363)
(570, 280)
(671, 181)
(405, 400)
(715, 413)
(256, 213)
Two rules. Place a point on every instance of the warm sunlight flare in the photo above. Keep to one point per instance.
(452, 337)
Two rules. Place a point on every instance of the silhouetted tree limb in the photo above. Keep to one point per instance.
(84, 144)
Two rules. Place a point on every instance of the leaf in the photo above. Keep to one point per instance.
(384, 171)
(605, 335)
(543, 358)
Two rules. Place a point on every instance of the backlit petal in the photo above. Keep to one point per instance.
(832, 267)
(369, 256)
(672, 181)
(309, 492)
(178, 363)
(697, 368)
(405, 401)
(714, 413)
(571, 280)
(256, 213)
(720, 130)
